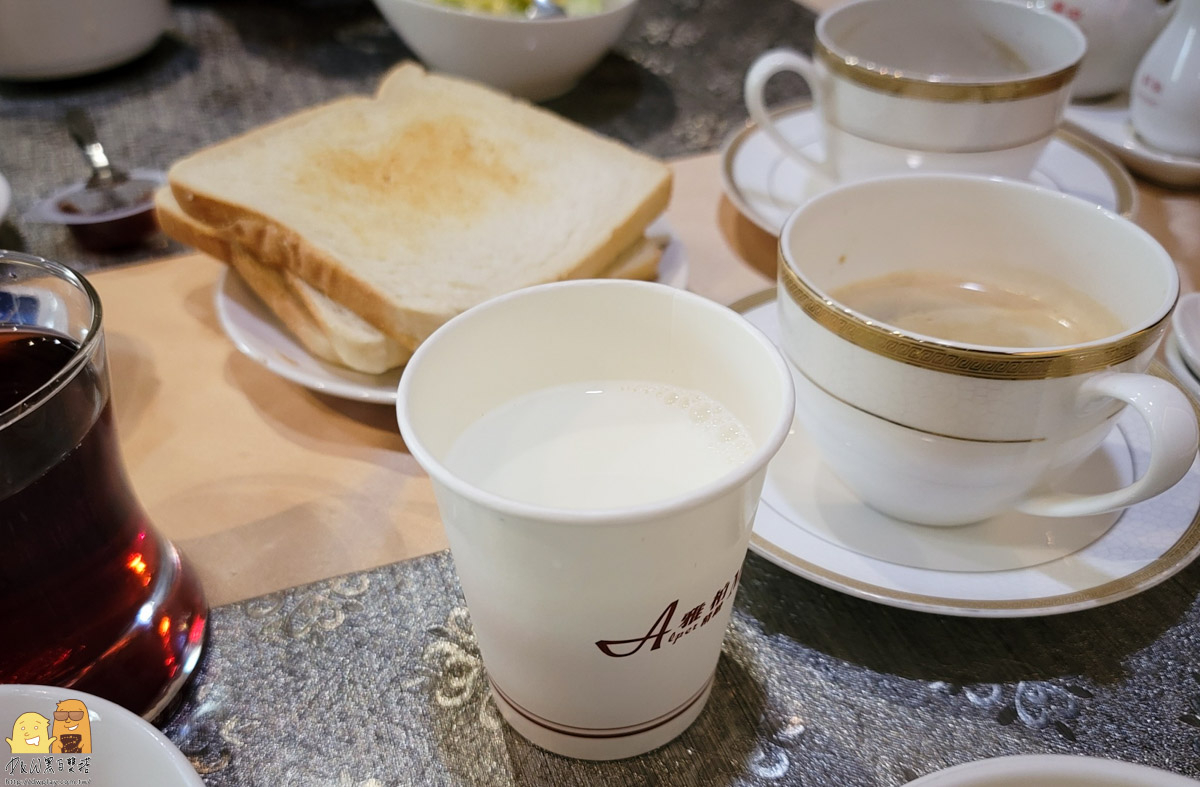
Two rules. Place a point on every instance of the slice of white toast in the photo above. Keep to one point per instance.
(415, 205)
(327, 329)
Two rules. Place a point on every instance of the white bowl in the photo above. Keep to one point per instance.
(534, 59)
(52, 39)
(1052, 770)
(5, 197)
(125, 749)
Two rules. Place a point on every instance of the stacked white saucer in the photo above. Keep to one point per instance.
(1182, 348)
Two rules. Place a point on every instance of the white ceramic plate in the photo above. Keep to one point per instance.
(257, 333)
(1052, 770)
(260, 336)
(1107, 123)
(810, 524)
(125, 749)
(5, 197)
(766, 185)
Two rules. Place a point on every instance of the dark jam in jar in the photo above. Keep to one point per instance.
(123, 214)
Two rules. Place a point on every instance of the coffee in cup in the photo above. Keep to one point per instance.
(928, 85)
(959, 343)
(1028, 310)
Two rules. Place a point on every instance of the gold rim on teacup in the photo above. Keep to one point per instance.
(925, 353)
(888, 80)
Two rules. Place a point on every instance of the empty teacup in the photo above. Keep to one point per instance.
(960, 343)
(928, 85)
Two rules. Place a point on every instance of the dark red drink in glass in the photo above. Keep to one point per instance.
(91, 597)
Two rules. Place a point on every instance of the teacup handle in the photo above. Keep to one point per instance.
(769, 64)
(1173, 443)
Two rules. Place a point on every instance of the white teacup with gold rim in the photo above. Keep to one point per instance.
(959, 343)
(928, 85)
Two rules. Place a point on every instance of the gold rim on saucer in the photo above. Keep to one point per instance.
(897, 82)
(1173, 559)
(1124, 190)
(939, 356)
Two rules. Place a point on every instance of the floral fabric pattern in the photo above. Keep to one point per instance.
(375, 680)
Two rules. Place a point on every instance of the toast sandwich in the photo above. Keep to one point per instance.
(435, 195)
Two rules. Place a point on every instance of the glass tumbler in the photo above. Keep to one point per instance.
(91, 596)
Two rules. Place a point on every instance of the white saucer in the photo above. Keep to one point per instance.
(1183, 374)
(125, 749)
(1042, 568)
(1052, 770)
(1107, 123)
(766, 185)
(259, 335)
(5, 197)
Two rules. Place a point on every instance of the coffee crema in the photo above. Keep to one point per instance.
(1041, 312)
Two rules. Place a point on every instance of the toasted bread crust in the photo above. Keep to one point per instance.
(274, 245)
(271, 290)
(338, 261)
(300, 308)
(187, 230)
(307, 320)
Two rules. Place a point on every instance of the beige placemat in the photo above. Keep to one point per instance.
(266, 485)
(262, 484)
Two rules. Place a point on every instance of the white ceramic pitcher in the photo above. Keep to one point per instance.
(1164, 102)
(1118, 34)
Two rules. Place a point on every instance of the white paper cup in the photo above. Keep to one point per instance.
(600, 629)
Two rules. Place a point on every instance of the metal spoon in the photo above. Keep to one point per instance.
(104, 174)
(109, 188)
(1186, 322)
(544, 9)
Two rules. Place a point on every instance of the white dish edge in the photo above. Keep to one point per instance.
(338, 382)
(1169, 170)
(1122, 183)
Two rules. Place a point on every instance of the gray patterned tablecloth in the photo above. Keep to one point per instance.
(373, 679)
